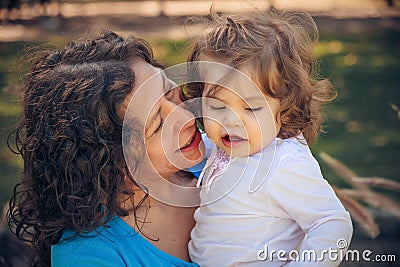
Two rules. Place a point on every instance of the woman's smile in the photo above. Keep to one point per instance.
(193, 142)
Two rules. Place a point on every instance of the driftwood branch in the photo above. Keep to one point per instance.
(358, 213)
(378, 182)
(362, 192)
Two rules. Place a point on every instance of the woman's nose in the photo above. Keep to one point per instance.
(177, 114)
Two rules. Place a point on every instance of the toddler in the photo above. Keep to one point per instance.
(264, 200)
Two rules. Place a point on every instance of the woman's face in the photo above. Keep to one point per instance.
(171, 137)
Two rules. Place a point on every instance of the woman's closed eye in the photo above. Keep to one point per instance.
(155, 126)
(158, 126)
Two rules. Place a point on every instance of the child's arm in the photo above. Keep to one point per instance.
(299, 190)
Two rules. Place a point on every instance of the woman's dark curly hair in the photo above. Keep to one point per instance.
(279, 45)
(70, 138)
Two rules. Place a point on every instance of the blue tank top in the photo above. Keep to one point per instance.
(115, 244)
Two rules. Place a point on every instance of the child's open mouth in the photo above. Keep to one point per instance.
(232, 140)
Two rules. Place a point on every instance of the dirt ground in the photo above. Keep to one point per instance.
(168, 19)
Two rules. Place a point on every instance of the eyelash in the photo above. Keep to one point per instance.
(159, 127)
(216, 108)
(248, 109)
(254, 109)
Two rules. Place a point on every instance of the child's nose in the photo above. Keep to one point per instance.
(232, 118)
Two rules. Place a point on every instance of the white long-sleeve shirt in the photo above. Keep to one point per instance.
(272, 202)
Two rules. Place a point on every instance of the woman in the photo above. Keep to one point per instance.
(79, 202)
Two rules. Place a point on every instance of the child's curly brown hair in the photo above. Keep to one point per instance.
(279, 44)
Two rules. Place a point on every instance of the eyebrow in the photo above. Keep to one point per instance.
(245, 99)
(254, 98)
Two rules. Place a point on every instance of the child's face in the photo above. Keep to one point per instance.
(238, 117)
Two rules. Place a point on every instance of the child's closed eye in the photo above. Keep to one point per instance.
(215, 104)
(216, 107)
(253, 109)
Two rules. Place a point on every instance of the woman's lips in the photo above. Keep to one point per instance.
(232, 140)
(194, 142)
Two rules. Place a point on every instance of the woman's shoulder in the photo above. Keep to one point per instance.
(98, 246)
(115, 244)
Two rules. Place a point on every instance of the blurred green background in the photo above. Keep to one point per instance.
(363, 123)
